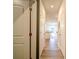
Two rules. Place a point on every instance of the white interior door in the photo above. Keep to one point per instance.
(21, 36)
(21, 29)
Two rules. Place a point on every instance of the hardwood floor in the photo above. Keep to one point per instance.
(51, 50)
(52, 54)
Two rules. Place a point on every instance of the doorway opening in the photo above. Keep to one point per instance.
(51, 31)
(52, 37)
(51, 49)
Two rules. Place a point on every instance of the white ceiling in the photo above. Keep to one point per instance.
(51, 13)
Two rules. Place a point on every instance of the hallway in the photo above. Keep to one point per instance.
(51, 51)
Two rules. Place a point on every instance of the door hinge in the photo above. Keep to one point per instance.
(30, 9)
(30, 34)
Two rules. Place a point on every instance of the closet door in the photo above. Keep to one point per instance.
(24, 22)
(20, 31)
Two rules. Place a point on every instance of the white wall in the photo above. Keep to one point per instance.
(62, 31)
(42, 27)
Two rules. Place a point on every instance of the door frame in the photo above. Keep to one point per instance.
(37, 32)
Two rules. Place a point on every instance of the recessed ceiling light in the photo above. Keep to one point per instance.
(51, 6)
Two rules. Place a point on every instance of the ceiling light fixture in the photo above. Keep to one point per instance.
(51, 6)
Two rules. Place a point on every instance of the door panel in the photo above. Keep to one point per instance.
(18, 51)
(21, 36)
(21, 29)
